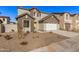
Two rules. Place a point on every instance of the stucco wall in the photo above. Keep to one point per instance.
(61, 21)
(41, 26)
(69, 18)
(10, 27)
(38, 17)
(20, 24)
(6, 20)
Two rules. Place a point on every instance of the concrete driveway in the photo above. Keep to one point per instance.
(66, 33)
(68, 45)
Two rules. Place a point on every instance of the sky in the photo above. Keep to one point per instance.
(11, 11)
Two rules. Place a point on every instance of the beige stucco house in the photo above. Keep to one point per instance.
(6, 25)
(42, 21)
(69, 22)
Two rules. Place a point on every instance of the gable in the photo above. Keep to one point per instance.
(49, 19)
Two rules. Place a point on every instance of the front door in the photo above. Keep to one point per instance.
(67, 26)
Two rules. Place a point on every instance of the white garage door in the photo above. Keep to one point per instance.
(50, 27)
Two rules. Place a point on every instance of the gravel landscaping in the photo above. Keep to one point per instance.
(10, 41)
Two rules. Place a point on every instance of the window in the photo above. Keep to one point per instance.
(3, 19)
(38, 14)
(67, 16)
(34, 13)
(26, 23)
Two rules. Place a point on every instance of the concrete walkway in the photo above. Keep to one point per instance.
(68, 45)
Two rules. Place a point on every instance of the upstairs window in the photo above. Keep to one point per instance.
(3, 19)
(34, 13)
(26, 23)
(38, 14)
(67, 16)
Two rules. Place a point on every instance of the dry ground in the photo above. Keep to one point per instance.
(31, 41)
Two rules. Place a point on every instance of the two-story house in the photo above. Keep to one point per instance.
(41, 21)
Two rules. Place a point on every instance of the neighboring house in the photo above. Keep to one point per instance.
(48, 21)
(68, 21)
(5, 19)
(6, 25)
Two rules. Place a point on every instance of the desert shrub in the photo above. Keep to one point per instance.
(8, 37)
(0, 35)
(27, 32)
(37, 36)
(23, 43)
(12, 30)
(50, 32)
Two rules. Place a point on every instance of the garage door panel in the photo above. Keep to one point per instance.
(50, 27)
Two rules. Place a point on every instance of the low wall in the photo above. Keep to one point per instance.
(10, 27)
